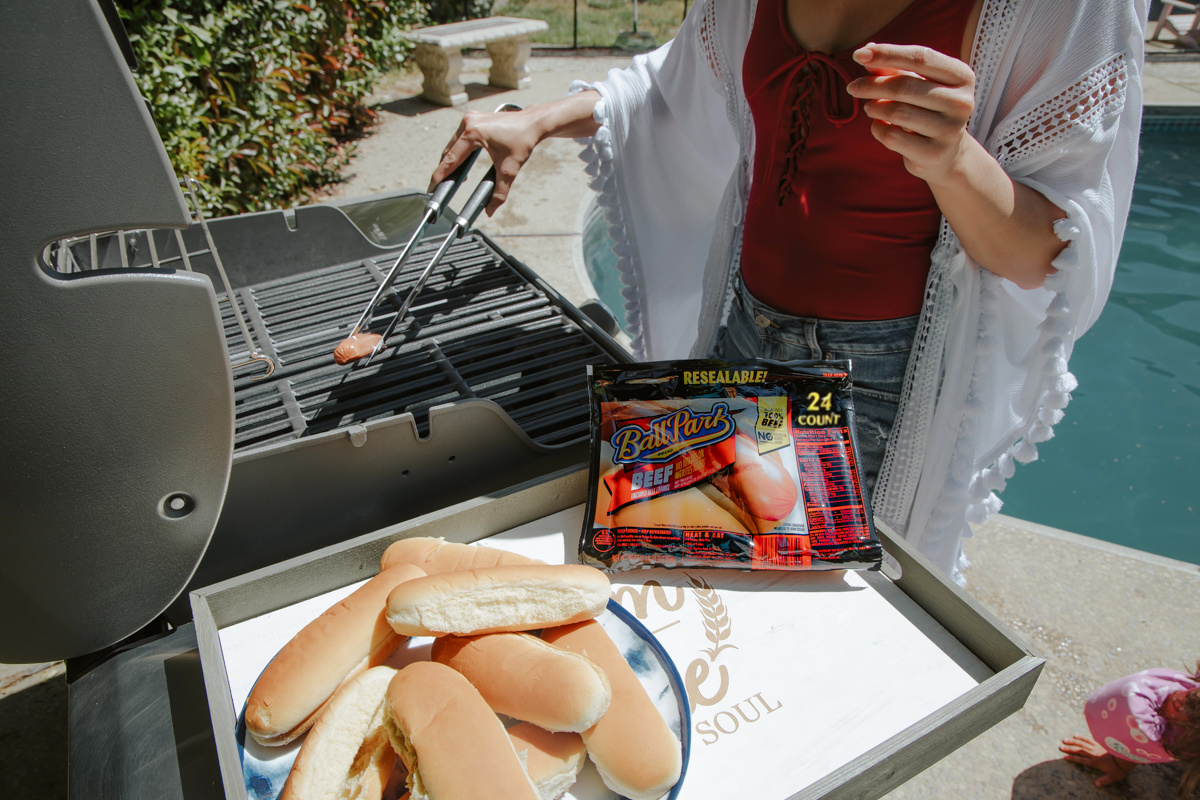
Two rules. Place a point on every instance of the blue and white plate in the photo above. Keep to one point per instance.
(266, 768)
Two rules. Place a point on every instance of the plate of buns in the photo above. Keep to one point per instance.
(462, 671)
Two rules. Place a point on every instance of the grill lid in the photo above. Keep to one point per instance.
(117, 436)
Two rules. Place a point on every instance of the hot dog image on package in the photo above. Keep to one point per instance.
(740, 464)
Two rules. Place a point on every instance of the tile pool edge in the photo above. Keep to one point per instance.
(1170, 117)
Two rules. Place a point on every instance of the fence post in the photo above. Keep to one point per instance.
(575, 26)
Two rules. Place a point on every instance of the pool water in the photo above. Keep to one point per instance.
(1124, 462)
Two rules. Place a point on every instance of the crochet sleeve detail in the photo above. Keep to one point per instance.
(1081, 107)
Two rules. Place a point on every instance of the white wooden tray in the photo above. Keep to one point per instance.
(800, 685)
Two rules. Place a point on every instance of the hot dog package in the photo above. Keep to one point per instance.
(740, 464)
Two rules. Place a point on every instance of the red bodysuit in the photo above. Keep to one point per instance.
(836, 227)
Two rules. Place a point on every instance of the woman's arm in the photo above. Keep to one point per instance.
(921, 101)
(510, 137)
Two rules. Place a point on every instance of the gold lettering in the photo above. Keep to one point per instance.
(697, 674)
(767, 707)
(738, 708)
(640, 597)
(705, 730)
(719, 726)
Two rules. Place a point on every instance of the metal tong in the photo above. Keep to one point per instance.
(470, 212)
(433, 208)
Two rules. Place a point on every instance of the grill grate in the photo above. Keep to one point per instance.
(479, 329)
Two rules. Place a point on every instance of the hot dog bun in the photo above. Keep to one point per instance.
(687, 508)
(552, 760)
(453, 744)
(347, 639)
(436, 556)
(634, 751)
(347, 753)
(528, 679)
(494, 599)
(731, 508)
(752, 524)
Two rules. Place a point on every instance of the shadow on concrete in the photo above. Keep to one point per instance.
(416, 106)
(1061, 779)
(33, 742)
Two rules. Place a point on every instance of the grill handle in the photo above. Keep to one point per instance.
(478, 201)
(446, 189)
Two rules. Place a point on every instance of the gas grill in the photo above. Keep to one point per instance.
(171, 436)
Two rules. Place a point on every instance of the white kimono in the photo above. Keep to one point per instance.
(1058, 103)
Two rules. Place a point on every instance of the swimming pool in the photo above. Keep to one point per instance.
(1125, 459)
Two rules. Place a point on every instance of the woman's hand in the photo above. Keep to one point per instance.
(509, 137)
(921, 100)
(1082, 750)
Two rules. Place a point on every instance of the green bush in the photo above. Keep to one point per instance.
(256, 99)
(443, 11)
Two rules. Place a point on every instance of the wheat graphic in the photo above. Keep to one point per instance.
(717, 626)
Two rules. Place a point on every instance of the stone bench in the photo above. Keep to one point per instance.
(439, 54)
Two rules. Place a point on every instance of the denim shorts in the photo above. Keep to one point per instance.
(878, 352)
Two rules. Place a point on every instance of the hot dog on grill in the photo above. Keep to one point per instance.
(352, 348)
(494, 599)
(523, 677)
(345, 640)
(634, 751)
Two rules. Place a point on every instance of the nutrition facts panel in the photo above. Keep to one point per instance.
(833, 497)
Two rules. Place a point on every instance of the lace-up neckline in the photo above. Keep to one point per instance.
(815, 77)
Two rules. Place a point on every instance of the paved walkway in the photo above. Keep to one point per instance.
(1095, 611)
